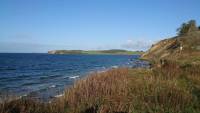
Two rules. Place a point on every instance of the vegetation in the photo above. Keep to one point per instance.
(171, 85)
(161, 90)
(182, 47)
(187, 27)
(99, 52)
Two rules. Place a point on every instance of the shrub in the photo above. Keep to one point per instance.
(187, 27)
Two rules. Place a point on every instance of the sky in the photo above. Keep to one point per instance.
(36, 26)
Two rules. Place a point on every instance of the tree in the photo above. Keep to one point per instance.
(183, 29)
(187, 27)
(192, 26)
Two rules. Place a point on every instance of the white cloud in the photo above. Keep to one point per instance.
(137, 44)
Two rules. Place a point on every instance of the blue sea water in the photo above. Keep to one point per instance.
(43, 76)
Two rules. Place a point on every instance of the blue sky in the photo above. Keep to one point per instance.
(42, 25)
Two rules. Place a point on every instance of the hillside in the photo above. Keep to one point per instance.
(184, 47)
(93, 52)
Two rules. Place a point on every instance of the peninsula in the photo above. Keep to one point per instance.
(96, 52)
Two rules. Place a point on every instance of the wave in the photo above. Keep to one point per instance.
(9, 79)
(114, 67)
(30, 83)
(6, 69)
(25, 95)
(50, 76)
(60, 95)
(52, 86)
(74, 77)
(23, 76)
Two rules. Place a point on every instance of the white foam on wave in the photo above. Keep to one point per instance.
(102, 71)
(60, 95)
(104, 67)
(74, 77)
(22, 96)
(52, 86)
(114, 67)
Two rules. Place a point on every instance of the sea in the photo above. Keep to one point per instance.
(45, 76)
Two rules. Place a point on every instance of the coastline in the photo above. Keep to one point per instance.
(118, 86)
(95, 52)
(35, 94)
(171, 84)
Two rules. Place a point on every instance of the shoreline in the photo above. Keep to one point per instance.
(136, 84)
(75, 77)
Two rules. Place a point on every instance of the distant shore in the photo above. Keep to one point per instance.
(96, 52)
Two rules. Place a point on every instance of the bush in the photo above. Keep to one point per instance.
(187, 27)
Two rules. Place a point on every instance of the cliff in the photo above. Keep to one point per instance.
(177, 48)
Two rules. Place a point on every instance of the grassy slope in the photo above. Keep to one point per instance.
(169, 49)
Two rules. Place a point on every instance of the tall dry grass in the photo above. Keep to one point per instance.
(106, 91)
(124, 90)
(31, 106)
